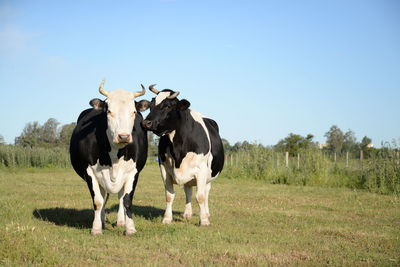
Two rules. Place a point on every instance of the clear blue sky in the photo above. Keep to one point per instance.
(261, 69)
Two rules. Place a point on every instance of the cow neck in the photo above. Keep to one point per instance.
(114, 153)
(184, 126)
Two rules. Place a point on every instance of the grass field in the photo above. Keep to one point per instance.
(46, 216)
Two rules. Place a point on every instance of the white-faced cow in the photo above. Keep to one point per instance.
(108, 150)
(190, 150)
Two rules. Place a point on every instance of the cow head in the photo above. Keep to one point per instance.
(165, 111)
(121, 109)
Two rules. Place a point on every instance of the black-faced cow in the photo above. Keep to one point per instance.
(108, 150)
(190, 150)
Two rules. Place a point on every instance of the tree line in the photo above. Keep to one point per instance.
(337, 141)
(50, 134)
(53, 134)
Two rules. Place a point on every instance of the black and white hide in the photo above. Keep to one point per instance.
(108, 150)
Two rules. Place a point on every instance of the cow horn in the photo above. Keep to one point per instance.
(101, 88)
(140, 93)
(173, 95)
(154, 90)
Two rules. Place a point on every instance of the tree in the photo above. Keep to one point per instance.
(226, 145)
(49, 131)
(2, 142)
(34, 134)
(65, 134)
(365, 146)
(237, 146)
(334, 139)
(293, 143)
(246, 145)
(365, 142)
(349, 142)
(30, 135)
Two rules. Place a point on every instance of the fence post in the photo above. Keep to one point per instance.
(361, 155)
(287, 159)
(334, 157)
(347, 159)
(298, 160)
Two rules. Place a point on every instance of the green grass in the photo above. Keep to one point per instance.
(45, 219)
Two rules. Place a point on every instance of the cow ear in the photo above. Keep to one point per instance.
(142, 105)
(183, 105)
(97, 103)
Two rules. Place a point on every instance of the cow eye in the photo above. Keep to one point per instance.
(133, 113)
(109, 112)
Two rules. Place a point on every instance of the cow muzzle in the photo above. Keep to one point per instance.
(124, 138)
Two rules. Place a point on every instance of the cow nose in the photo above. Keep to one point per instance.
(147, 124)
(124, 137)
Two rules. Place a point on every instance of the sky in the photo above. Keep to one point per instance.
(261, 69)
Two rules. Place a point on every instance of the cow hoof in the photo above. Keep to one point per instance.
(129, 232)
(205, 223)
(167, 221)
(120, 223)
(96, 232)
(187, 216)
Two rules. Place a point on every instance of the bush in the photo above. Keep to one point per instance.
(379, 173)
(17, 156)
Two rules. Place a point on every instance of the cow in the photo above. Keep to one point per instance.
(190, 150)
(108, 149)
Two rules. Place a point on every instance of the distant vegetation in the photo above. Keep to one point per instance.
(379, 172)
(341, 162)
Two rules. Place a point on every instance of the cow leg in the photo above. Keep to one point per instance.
(121, 209)
(98, 203)
(188, 207)
(103, 210)
(169, 195)
(129, 190)
(208, 188)
(201, 197)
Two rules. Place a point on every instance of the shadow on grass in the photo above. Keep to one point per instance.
(84, 218)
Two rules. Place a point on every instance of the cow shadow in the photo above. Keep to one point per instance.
(84, 218)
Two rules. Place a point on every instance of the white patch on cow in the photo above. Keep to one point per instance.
(197, 116)
(113, 178)
(190, 168)
(161, 96)
(171, 136)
